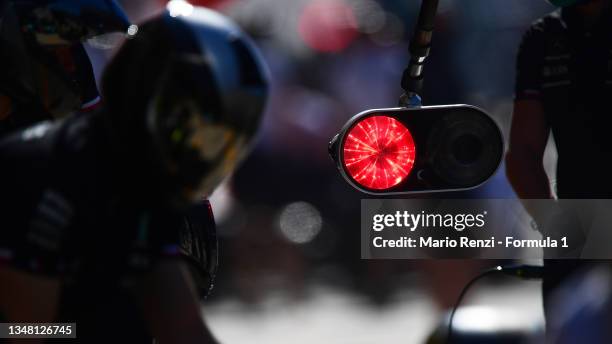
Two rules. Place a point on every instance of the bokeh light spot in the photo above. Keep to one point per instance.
(300, 222)
(327, 25)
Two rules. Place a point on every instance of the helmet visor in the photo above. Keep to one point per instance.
(69, 21)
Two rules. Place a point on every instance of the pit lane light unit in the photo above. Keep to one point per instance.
(416, 148)
(426, 149)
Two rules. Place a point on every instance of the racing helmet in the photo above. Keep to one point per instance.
(70, 21)
(44, 64)
(187, 93)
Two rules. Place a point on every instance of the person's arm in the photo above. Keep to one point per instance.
(29, 293)
(530, 129)
(171, 307)
(524, 160)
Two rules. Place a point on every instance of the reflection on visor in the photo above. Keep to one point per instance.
(53, 25)
(106, 41)
(51, 29)
(51, 39)
(218, 145)
(208, 139)
(113, 39)
(224, 167)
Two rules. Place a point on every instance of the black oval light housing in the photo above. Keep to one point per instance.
(413, 150)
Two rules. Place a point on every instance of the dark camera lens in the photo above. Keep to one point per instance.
(458, 153)
(467, 149)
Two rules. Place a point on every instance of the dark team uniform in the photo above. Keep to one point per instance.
(69, 208)
(93, 199)
(569, 69)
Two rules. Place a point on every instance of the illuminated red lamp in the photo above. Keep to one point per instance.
(378, 152)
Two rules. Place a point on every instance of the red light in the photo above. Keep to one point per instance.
(379, 152)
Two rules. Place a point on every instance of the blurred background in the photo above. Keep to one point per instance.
(290, 267)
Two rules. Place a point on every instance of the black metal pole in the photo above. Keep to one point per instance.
(420, 46)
